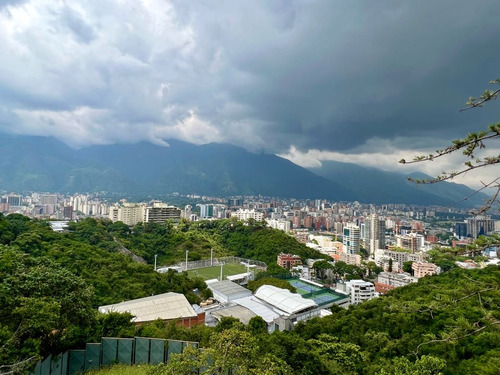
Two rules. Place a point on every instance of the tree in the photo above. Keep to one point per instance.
(237, 352)
(426, 365)
(44, 308)
(470, 145)
(407, 267)
(322, 267)
(257, 326)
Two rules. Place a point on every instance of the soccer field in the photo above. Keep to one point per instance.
(208, 273)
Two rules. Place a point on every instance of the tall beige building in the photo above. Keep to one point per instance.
(128, 213)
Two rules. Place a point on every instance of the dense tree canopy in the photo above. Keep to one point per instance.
(51, 284)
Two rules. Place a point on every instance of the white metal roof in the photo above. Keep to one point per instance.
(162, 306)
(238, 276)
(258, 308)
(228, 290)
(283, 299)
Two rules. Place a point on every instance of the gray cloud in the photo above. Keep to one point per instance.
(323, 75)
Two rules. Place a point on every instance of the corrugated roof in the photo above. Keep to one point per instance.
(229, 289)
(239, 312)
(253, 304)
(165, 306)
(283, 299)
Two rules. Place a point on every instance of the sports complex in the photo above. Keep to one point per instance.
(213, 272)
(319, 294)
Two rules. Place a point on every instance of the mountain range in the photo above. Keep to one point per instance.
(30, 163)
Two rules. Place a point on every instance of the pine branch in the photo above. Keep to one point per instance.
(449, 176)
(16, 368)
(456, 338)
(485, 97)
(470, 143)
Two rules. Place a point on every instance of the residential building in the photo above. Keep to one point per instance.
(352, 239)
(374, 234)
(248, 214)
(128, 213)
(479, 225)
(353, 259)
(288, 260)
(389, 280)
(360, 291)
(410, 241)
(161, 212)
(421, 269)
(280, 224)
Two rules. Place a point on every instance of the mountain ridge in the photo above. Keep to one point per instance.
(34, 163)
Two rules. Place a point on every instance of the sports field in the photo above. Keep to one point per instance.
(320, 295)
(208, 273)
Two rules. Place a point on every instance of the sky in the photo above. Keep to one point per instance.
(367, 82)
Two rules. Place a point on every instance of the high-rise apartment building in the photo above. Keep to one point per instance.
(479, 225)
(352, 239)
(374, 234)
(128, 213)
(14, 200)
(206, 211)
(161, 212)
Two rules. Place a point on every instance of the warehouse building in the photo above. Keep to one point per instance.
(167, 307)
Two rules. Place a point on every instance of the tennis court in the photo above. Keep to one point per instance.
(321, 296)
(213, 272)
(303, 287)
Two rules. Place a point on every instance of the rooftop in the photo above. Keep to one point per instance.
(283, 299)
(165, 306)
(228, 288)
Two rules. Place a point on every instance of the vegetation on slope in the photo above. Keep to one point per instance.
(51, 284)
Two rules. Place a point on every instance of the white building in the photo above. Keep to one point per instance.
(248, 214)
(360, 291)
(352, 239)
(280, 224)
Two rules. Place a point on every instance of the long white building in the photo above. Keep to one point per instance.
(248, 214)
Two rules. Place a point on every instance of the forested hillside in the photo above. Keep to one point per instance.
(51, 284)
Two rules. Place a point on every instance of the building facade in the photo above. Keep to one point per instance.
(352, 239)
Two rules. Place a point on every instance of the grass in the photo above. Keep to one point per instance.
(213, 272)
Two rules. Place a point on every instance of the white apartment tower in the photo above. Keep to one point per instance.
(351, 239)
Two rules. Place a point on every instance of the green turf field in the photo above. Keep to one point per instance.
(208, 273)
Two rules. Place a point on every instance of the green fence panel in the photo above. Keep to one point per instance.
(109, 351)
(174, 347)
(56, 366)
(125, 350)
(157, 352)
(141, 350)
(92, 356)
(45, 370)
(38, 369)
(189, 343)
(209, 361)
(65, 357)
(76, 361)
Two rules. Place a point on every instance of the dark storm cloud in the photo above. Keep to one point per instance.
(323, 75)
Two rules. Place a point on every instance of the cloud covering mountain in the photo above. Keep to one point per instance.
(334, 78)
(30, 163)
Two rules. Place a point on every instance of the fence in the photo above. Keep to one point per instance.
(196, 264)
(110, 351)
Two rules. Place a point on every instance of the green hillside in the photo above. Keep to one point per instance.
(51, 284)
